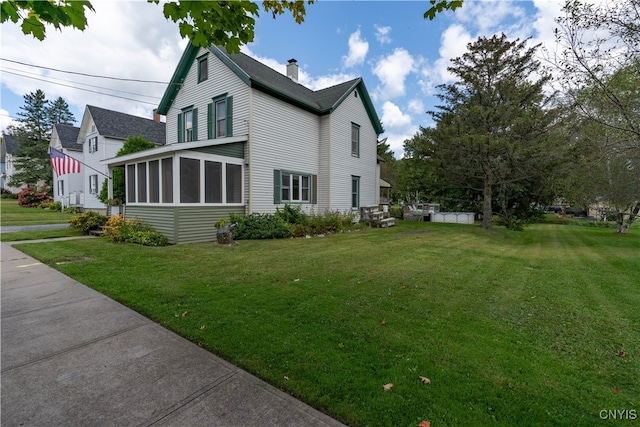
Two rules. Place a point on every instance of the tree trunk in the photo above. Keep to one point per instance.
(632, 216)
(487, 212)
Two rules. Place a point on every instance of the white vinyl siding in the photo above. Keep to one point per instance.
(284, 138)
(199, 95)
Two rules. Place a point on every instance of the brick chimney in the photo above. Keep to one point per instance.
(156, 116)
(292, 70)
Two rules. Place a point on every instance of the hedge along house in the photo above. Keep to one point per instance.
(243, 138)
(102, 134)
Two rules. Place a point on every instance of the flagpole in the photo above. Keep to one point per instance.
(81, 162)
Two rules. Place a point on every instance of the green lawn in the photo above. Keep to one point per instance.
(11, 214)
(512, 328)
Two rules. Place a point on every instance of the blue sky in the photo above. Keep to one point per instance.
(401, 56)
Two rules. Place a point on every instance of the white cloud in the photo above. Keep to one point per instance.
(5, 120)
(392, 70)
(382, 34)
(358, 49)
(393, 118)
(415, 106)
(123, 39)
(396, 139)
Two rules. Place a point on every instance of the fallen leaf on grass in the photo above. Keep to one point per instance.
(185, 313)
(340, 345)
(387, 387)
(202, 327)
(621, 353)
(424, 424)
(615, 389)
(383, 323)
(425, 380)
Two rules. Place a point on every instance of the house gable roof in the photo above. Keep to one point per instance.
(118, 125)
(68, 136)
(261, 77)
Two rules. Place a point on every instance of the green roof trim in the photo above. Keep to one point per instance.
(263, 78)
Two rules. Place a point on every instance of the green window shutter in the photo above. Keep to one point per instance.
(210, 121)
(314, 189)
(229, 116)
(277, 183)
(180, 130)
(195, 124)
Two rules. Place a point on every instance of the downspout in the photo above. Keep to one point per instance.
(250, 153)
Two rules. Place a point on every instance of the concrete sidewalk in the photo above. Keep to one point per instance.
(71, 356)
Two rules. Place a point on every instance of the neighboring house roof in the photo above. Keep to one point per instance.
(9, 144)
(261, 77)
(114, 124)
(68, 136)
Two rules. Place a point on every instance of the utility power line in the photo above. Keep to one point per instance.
(80, 88)
(26, 74)
(85, 74)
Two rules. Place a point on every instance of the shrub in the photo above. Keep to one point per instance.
(133, 230)
(32, 197)
(88, 220)
(52, 206)
(259, 226)
(290, 221)
(71, 210)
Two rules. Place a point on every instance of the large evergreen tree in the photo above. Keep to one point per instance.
(492, 131)
(33, 132)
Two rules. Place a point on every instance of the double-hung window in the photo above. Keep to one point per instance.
(203, 68)
(355, 140)
(355, 192)
(60, 187)
(219, 117)
(293, 187)
(93, 144)
(188, 125)
(93, 184)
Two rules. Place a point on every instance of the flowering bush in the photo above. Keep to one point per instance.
(32, 197)
(133, 230)
(88, 220)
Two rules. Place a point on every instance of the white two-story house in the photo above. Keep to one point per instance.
(244, 138)
(102, 134)
(68, 189)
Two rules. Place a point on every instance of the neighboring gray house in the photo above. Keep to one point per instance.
(68, 189)
(102, 134)
(8, 144)
(244, 138)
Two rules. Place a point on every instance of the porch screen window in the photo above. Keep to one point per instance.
(142, 182)
(234, 183)
(212, 182)
(154, 181)
(355, 140)
(131, 183)
(167, 180)
(189, 180)
(355, 192)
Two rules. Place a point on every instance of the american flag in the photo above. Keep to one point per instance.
(62, 163)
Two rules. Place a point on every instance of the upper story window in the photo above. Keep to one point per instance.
(203, 69)
(93, 144)
(188, 125)
(355, 140)
(219, 118)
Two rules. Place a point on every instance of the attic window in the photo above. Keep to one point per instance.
(355, 93)
(203, 69)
